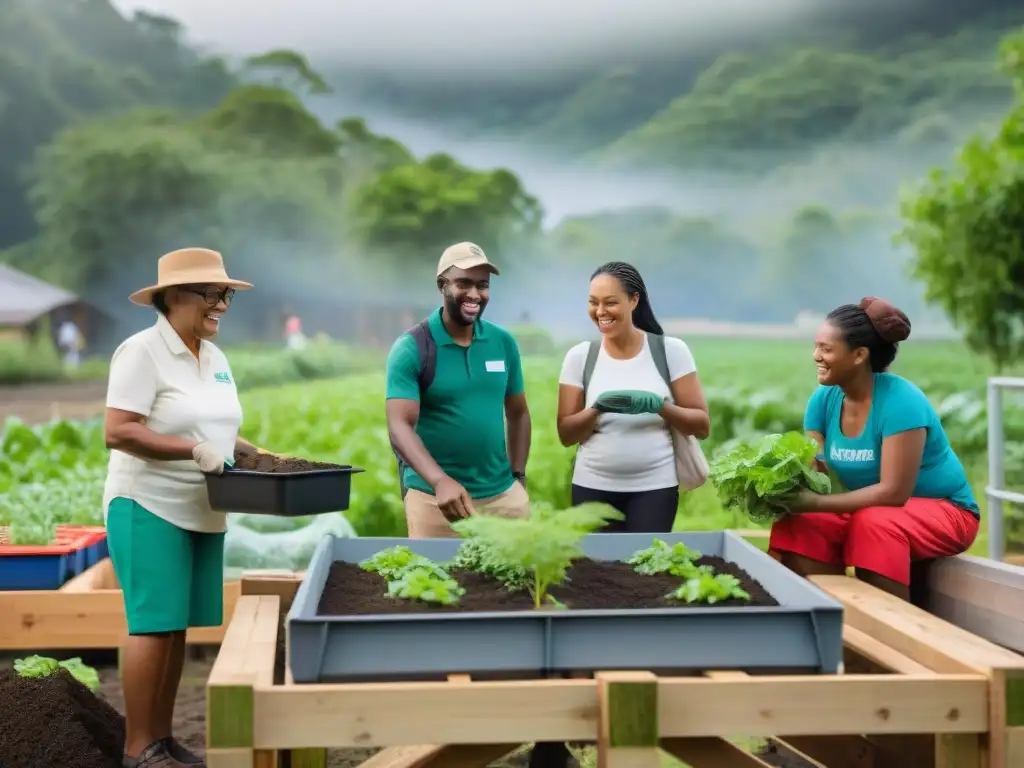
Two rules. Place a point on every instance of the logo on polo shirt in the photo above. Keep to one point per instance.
(222, 376)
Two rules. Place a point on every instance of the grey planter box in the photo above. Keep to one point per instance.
(801, 635)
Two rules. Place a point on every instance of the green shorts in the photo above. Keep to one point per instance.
(172, 579)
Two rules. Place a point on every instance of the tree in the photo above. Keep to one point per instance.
(271, 120)
(291, 70)
(417, 209)
(112, 194)
(966, 228)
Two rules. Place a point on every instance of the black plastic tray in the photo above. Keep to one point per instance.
(286, 494)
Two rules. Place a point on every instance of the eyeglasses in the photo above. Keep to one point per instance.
(213, 296)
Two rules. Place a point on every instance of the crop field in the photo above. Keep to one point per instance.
(54, 473)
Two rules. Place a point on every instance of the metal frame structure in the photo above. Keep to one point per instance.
(994, 491)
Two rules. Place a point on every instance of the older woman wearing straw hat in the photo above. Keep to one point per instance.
(172, 415)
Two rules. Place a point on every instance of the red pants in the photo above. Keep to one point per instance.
(884, 540)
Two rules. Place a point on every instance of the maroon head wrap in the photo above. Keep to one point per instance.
(892, 325)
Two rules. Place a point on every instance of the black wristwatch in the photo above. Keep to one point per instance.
(519, 475)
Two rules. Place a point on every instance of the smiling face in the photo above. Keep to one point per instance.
(611, 308)
(466, 293)
(199, 308)
(836, 363)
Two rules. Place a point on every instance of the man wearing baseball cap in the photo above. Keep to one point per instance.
(453, 382)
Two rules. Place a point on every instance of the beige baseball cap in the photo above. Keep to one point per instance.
(464, 256)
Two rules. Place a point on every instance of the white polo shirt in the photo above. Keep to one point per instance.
(154, 374)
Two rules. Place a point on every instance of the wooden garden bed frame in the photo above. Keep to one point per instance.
(917, 691)
(86, 613)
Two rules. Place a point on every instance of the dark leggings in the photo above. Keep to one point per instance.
(645, 511)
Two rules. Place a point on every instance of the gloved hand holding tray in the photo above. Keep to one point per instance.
(289, 486)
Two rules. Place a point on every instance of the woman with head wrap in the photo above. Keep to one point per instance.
(907, 497)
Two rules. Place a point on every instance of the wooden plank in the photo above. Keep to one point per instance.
(788, 748)
(390, 714)
(282, 583)
(229, 758)
(979, 595)
(83, 620)
(246, 659)
(942, 646)
(915, 633)
(394, 714)
(879, 653)
(628, 726)
(711, 753)
(91, 579)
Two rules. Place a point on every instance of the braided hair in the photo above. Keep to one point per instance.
(633, 285)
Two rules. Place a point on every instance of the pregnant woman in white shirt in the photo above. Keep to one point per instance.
(621, 422)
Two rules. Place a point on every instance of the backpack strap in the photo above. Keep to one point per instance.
(593, 350)
(426, 348)
(656, 342)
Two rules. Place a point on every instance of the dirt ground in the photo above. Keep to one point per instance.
(41, 402)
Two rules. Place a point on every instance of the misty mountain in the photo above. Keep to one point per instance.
(842, 77)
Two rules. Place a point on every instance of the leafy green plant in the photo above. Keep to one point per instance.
(394, 562)
(43, 666)
(711, 589)
(420, 582)
(675, 560)
(474, 555)
(413, 576)
(759, 476)
(545, 544)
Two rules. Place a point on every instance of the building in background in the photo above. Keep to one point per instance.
(30, 306)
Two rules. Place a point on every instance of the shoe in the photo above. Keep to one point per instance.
(182, 754)
(153, 756)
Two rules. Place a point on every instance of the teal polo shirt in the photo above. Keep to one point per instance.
(462, 413)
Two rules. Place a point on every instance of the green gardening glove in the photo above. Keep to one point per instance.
(630, 401)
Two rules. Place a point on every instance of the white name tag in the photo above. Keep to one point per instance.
(495, 366)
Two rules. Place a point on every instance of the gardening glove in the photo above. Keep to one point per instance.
(209, 458)
(630, 401)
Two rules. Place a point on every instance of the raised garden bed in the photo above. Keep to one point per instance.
(344, 625)
(86, 612)
(29, 567)
(940, 703)
(288, 486)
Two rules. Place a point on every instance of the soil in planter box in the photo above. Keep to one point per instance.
(265, 462)
(351, 591)
(56, 722)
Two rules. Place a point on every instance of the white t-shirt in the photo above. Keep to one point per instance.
(627, 452)
(153, 373)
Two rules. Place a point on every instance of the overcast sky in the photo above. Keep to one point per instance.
(465, 34)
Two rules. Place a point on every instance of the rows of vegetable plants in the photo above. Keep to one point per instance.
(53, 473)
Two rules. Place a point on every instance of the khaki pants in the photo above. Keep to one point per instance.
(426, 521)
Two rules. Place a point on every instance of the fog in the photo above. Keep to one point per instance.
(510, 37)
(521, 41)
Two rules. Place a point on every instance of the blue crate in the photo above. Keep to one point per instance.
(29, 572)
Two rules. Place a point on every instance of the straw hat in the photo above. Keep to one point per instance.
(188, 266)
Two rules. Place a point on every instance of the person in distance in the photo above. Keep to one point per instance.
(448, 429)
(907, 496)
(620, 406)
(172, 414)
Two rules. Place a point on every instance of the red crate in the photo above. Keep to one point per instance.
(67, 539)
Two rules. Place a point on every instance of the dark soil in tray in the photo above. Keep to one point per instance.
(265, 462)
(351, 591)
(56, 721)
